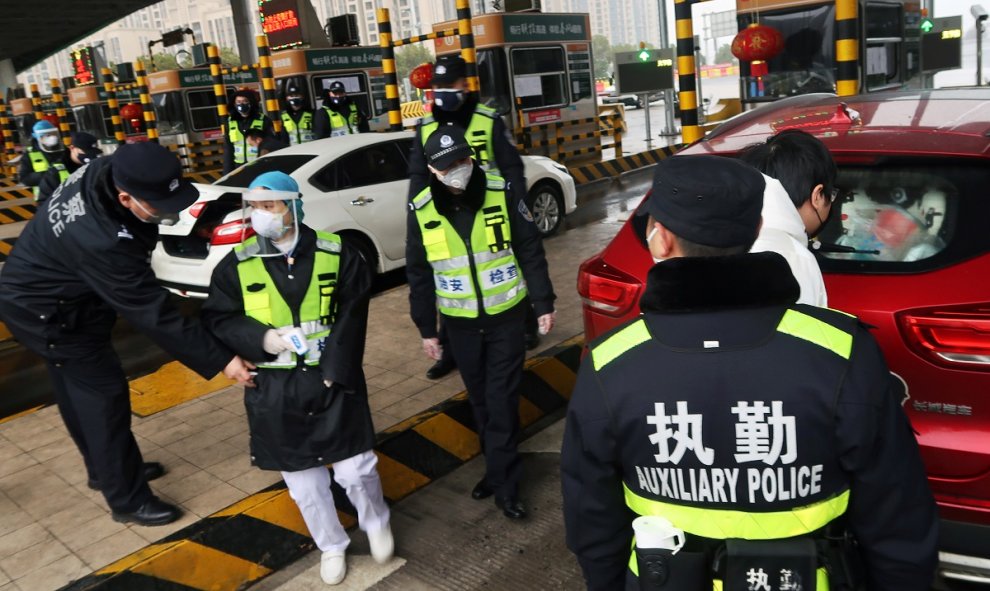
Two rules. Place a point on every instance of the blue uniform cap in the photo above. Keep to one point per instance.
(41, 127)
(276, 180)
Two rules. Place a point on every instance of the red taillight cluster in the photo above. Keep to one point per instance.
(606, 289)
(197, 208)
(954, 336)
(231, 233)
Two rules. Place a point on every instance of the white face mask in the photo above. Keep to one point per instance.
(268, 224)
(458, 177)
(49, 140)
(649, 237)
(165, 219)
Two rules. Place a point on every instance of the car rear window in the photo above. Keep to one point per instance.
(906, 217)
(243, 176)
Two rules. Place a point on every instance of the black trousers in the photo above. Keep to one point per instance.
(94, 399)
(491, 362)
(532, 327)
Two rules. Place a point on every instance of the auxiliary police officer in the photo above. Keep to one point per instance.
(768, 432)
(297, 117)
(45, 150)
(473, 251)
(245, 114)
(340, 115)
(82, 260)
(82, 150)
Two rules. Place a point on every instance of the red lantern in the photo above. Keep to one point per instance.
(131, 111)
(757, 43)
(421, 76)
(51, 118)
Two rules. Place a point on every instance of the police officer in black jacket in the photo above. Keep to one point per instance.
(80, 262)
(769, 432)
(473, 251)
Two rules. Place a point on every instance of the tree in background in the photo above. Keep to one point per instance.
(602, 50)
(229, 57)
(163, 61)
(724, 55)
(408, 57)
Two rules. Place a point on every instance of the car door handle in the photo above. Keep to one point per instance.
(361, 201)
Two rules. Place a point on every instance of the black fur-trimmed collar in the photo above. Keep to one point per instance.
(713, 283)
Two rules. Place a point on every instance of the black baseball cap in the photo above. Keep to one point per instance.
(445, 146)
(151, 173)
(709, 200)
(86, 142)
(448, 69)
(337, 87)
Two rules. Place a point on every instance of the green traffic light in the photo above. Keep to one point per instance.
(644, 56)
(927, 25)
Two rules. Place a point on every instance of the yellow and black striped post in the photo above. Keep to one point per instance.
(219, 90)
(388, 66)
(268, 82)
(36, 102)
(7, 130)
(63, 119)
(150, 124)
(426, 37)
(113, 105)
(846, 47)
(690, 130)
(467, 44)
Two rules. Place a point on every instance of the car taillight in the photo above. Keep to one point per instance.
(231, 233)
(197, 208)
(607, 289)
(953, 336)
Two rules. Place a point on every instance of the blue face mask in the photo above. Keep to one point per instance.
(448, 100)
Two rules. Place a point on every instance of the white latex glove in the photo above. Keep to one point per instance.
(273, 343)
(545, 323)
(327, 383)
(432, 348)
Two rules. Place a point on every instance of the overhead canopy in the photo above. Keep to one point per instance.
(36, 29)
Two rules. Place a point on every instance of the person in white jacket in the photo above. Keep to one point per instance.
(800, 188)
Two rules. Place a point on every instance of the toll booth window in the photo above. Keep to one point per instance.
(89, 118)
(896, 215)
(203, 110)
(243, 176)
(356, 86)
(539, 77)
(380, 163)
(168, 111)
(493, 74)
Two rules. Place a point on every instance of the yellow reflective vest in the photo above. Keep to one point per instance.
(39, 163)
(340, 125)
(475, 276)
(478, 134)
(243, 152)
(299, 132)
(269, 307)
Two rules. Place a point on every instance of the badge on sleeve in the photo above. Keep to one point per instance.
(524, 211)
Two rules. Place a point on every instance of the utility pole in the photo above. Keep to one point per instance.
(668, 95)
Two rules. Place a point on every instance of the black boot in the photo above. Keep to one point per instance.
(441, 368)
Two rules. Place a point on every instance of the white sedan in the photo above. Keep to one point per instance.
(355, 186)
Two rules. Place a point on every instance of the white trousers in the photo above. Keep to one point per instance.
(358, 476)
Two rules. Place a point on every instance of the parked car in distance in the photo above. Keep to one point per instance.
(907, 250)
(353, 185)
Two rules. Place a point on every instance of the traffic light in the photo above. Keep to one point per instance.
(644, 54)
(926, 25)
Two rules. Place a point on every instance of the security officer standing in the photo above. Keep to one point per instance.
(245, 114)
(297, 117)
(473, 251)
(82, 150)
(46, 149)
(340, 115)
(768, 432)
(80, 262)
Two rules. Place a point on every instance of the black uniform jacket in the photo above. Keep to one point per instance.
(715, 343)
(321, 120)
(461, 210)
(51, 179)
(82, 260)
(296, 423)
(510, 165)
(244, 124)
(25, 170)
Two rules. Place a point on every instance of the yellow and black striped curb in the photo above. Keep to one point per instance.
(17, 213)
(206, 177)
(13, 191)
(6, 245)
(265, 532)
(593, 171)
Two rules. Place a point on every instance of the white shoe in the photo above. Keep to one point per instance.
(333, 567)
(382, 544)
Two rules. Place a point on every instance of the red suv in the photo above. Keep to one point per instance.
(907, 251)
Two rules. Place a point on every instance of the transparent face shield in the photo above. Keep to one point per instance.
(49, 140)
(271, 215)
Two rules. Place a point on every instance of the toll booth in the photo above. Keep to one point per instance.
(359, 69)
(22, 114)
(91, 111)
(535, 69)
(185, 103)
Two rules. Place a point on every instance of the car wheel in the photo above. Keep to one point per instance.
(547, 206)
(364, 246)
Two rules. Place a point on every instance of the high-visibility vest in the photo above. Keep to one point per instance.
(269, 307)
(39, 163)
(242, 151)
(479, 134)
(722, 524)
(481, 275)
(340, 125)
(299, 132)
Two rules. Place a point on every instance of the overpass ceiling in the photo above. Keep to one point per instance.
(35, 29)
